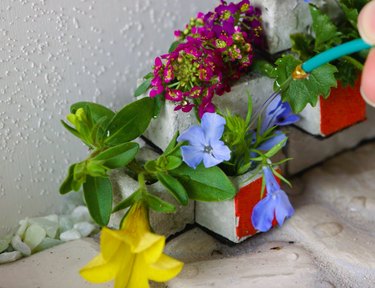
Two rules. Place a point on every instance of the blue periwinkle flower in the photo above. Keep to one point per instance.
(275, 204)
(204, 142)
(278, 113)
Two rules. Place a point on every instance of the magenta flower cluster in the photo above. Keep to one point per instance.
(214, 50)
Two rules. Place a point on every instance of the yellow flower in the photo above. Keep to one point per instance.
(131, 256)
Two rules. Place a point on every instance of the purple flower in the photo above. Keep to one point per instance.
(278, 113)
(204, 142)
(275, 204)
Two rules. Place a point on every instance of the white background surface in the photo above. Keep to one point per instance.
(54, 53)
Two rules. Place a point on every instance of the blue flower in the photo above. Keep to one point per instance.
(205, 144)
(273, 141)
(275, 204)
(278, 113)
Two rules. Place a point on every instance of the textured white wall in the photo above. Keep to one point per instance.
(54, 53)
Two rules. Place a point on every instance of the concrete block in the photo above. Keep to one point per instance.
(307, 150)
(165, 224)
(162, 130)
(284, 266)
(232, 218)
(343, 108)
(56, 267)
(284, 17)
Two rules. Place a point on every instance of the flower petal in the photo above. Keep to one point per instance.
(138, 277)
(194, 135)
(213, 126)
(192, 156)
(271, 184)
(210, 161)
(108, 244)
(220, 151)
(99, 270)
(270, 143)
(263, 214)
(283, 207)
(290, 119)
(164, 269)
(153, 251)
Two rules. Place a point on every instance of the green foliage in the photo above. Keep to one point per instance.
(205, 184)
(174, 187)
(130, 122)
(118, 156)
(301, 92)
(98, 196)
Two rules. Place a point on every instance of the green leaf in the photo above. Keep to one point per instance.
(159, 103)
(174, 46)
(205, 184)
(67, 184)
(98, 197)
(71, 129)
(175, 187)
(95, 111)
(348, 73)
(275, 149)
(278, 175)
(172, 144)
(249, 109)
(130, 122)
(142, 89)
(302, 44)
(325, 30)
(129, 201)
(351, 14)
(262, 67)
(159, 205)
(118, 156)
(301, 92)
(173, 162)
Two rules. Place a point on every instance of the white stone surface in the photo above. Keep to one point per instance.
(54, 53)
(57, 267)
(70, 235)
(284, 17)
(162, 130)
(310, 119)
(307, 150)
(220, 217)
(286, 266)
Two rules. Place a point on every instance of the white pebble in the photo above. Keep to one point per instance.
(65, 223)
(53, 218)
(34, 235)
(80, 214)
(10, 256)
(18, 245)
(70, 235)
(23, 226)
(84, 228)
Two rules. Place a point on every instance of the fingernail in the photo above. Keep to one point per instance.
(368, 101)
(366, 23)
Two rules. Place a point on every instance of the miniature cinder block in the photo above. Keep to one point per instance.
(344, 108)
(162, 130)
(232, 218)
(284, 17)
(165, 224)
(307, 150)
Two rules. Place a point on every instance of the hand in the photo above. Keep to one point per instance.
(366, 27)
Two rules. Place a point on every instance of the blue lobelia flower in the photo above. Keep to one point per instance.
(273, 141)
(204, 142)
(275, 204)
(278, 113)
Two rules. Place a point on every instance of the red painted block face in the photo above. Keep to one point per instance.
(244, 202)
(343, 108)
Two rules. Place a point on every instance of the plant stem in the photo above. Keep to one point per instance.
(353, 61)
